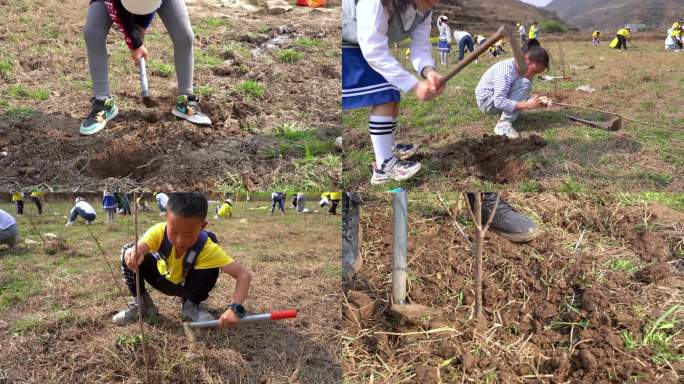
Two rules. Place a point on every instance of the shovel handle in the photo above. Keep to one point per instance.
(268, 316)
(144, 85)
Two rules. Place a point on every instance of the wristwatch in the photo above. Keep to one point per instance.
(238, 309)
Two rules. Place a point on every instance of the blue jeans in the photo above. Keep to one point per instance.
(465, 42)
(520, 91)
(76, 212)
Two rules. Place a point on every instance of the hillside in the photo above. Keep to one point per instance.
(610, 14)
(478, 16)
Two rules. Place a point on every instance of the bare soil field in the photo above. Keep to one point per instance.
(596, 298)
(269, 82)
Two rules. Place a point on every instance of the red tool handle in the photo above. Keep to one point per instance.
(286, 314)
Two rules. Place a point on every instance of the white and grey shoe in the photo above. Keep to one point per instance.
(194, 312)
(506, 128)
(187, 108)
(130, 314)
(394, 169)
(69, 224)
(405, 151)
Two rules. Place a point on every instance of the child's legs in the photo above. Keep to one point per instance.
(461, 49)
(95, 33)
(73, 214)
(273, 204)
(9, 235)
(174, 15)
(333, 206)
(39, 205)
(381, 126)
(520, 91)
(198, 284)
(281, 205)
(20, 207)
(149, 272)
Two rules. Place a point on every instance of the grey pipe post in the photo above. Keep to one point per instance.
(399, 245)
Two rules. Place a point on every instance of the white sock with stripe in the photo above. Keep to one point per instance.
(381, 129)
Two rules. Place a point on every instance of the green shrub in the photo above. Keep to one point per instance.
(552, 26)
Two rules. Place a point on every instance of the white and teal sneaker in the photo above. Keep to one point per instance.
(102, 112)
(187, 107)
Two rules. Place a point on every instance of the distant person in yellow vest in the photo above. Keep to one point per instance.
(534, 31)
(226, 210)
(675, 39)
(623, 36)
(596, 38)
(18, 199)
(35, 197)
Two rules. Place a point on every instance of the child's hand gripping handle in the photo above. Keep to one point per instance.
(268, 316)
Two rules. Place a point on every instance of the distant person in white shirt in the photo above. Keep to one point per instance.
(523, 34)
(444, 42)
(464, 40)
(8, 229)
(162, 200)
(82, 209)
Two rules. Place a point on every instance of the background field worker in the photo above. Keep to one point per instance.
(596, 38)
(464, 40)
(621, 38)
(301, 202)
(162, 200)
(279, 199)
(334, 200)
(141, 204)
(18, 200)
(522, 33)
(226, 209)
(8, 229)
(675, 39)
(109, 205)
(534, 31)
(444, 42)
(82, 209)
(36, 198)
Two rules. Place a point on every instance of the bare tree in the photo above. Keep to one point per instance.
(475, 246)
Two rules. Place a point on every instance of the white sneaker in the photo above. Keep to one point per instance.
(69, 224)
(506, 128)
(394, 169)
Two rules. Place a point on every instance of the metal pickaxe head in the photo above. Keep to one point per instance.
(614, 124)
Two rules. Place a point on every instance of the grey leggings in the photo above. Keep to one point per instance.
(172, 13)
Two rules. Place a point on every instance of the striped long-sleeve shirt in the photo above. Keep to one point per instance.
(497, 83)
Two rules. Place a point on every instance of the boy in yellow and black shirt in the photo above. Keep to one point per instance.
(180, 258)
(35, 197)
(596, 38)
(334, 199)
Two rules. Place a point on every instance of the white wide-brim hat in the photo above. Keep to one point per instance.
(141, 7)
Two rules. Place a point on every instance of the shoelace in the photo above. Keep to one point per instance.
(97, 110)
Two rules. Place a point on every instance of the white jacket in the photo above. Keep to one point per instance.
(367, 23)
